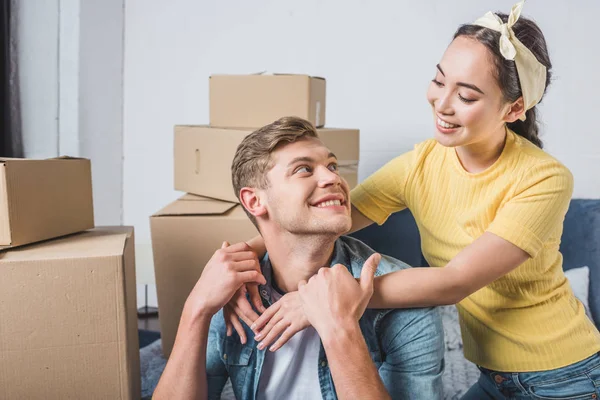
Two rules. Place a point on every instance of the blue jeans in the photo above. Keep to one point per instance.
(575, 382)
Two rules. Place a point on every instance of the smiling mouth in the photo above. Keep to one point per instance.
(329, 203)
(446, 125)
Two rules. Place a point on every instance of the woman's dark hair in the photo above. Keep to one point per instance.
(531, 36)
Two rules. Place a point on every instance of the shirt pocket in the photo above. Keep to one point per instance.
(237, 359)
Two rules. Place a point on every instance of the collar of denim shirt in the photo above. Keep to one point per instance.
(340, 256)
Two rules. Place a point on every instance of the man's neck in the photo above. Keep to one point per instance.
(295, 258)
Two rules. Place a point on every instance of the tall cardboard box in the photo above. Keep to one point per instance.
(185, 235)
(203, 156)
(44, 199)
(68, 321)
(251, 101)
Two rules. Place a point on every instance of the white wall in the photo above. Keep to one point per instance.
(84, 93)
(377, 57)
(70, 55)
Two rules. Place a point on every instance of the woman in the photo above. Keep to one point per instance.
(490, 205)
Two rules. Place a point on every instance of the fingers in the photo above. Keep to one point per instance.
(284, 338)
(225, 244)
(266, 316)
(226, 317)
(239, 329)
(267, 329)
(247, 265)
(277, 329)
(245, 312)
(368, 271)
(244, 255)
(255, 298)
(251, 276)
(234, 248)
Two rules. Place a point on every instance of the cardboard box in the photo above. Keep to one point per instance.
(251, 101)
(44, 199)
(185, 235)
(68, 317)
(203, 156)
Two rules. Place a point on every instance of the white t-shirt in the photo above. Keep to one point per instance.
(292, 371)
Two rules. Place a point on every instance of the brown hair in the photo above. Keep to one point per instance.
(532, 37)
(252, 158)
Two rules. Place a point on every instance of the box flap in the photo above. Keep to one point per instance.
(4, 160)
(195, 205)
(98, 242)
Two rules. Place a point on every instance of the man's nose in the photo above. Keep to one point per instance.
(328, 177)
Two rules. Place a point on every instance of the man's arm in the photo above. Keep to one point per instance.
(413, 343)
(185, 375)
(352, 369)
(333, 302)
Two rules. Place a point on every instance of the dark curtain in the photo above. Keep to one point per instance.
(10, 124)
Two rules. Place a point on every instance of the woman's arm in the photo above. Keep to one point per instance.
(477, 265)
(485, 260)
(359, 220)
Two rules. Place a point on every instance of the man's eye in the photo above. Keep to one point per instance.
(302, 169)
(333, 167)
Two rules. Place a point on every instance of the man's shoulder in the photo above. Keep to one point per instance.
(359, 252)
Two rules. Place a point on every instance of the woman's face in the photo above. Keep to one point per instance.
(467, 102)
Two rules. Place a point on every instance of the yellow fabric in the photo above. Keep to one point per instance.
(532, 73)
(529, 319)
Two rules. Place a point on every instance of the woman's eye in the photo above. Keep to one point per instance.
(437, 83)
(465, 100)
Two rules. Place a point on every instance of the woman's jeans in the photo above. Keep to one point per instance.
(576, 381)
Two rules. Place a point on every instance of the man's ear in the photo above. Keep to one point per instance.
(515, 111)
(251, 201)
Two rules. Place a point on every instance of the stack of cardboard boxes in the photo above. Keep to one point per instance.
(68, 321)
(186, 233)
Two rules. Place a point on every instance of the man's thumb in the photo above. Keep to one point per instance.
(225, 244)
(368, 271)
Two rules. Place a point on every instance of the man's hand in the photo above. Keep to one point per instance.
(333, 298)
(228, 269)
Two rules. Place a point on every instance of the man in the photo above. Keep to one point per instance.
(287, 182)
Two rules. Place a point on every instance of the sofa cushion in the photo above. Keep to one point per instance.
(580, 245)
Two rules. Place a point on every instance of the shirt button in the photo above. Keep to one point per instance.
(224, 356)
(323, 363)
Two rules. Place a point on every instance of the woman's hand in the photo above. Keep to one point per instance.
(240, 308)
(285, 317)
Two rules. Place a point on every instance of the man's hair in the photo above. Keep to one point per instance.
(252, 158)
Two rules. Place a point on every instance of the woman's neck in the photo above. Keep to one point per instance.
(479, 156)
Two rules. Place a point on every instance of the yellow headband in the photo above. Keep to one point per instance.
(532, 74)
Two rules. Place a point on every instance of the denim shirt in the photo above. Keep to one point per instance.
(406, 345)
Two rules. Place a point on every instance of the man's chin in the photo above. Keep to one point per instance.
(337, 227)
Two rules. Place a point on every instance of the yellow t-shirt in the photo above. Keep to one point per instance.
(527, 320)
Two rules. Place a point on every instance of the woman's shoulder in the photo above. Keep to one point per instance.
(532, 154)
(537, 164)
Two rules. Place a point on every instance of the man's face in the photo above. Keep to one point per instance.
(305, 194)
